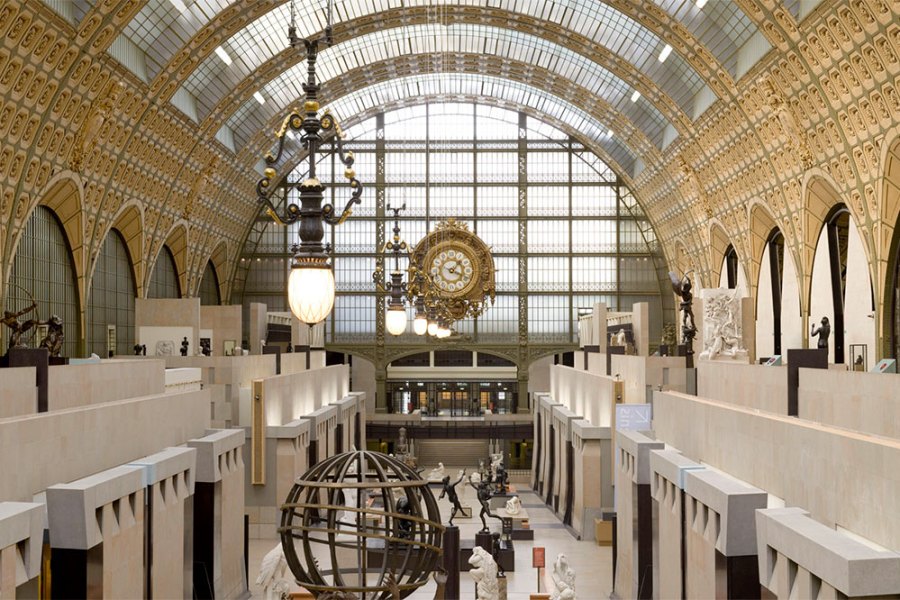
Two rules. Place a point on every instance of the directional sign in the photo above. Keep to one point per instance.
(634, 416)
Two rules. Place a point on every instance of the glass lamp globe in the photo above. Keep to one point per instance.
(395, 320)
(311, 293)
(432, 328)
(443, 332)
(420, 325)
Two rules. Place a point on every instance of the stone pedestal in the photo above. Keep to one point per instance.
(451, 562)
(39, 358)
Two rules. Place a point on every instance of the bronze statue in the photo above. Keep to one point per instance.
(11, 320)
(184, 346)
(822, 332)
(55, 337)
(682, 287)
(450, 492)
(484, 497)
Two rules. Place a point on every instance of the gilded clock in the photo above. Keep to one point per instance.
(457, 271)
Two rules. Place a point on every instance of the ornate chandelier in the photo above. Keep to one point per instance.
(395, 317)
(311, 282)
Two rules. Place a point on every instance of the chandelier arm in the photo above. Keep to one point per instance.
(355, 198)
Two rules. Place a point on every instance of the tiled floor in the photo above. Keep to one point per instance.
(592, 563)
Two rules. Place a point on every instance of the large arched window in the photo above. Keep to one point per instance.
(111, 301)
(564, 230)
(43, 269)
(209, 286)
(841, 287)
(164, 280)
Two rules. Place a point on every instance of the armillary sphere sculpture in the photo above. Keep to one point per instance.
(359, 525)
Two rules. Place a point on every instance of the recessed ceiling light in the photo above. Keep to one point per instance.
(179, 5)
(259, 97)
(609, 133)
(223, 55)
(665, 53)
(701, 3)
(635, 96)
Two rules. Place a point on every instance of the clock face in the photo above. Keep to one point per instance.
(453, 269)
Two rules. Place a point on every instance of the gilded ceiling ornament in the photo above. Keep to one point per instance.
(787, 120)
(99, 113)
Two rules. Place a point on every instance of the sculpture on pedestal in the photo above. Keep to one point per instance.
(563, 577)
(501, 479)
(450, 492)
(271, 574)
(205, 348)
(55, 337)
(513, 505)
(140, 349)
(484, 573)
(437, 472)
(18, 329)
(484, 498)
(620, 338)
(682, 287)
(722, 333)
(184, 346)
(822, 332)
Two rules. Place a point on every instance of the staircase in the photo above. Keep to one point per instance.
(453, 453)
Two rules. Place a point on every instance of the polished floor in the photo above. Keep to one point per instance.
(592, 563)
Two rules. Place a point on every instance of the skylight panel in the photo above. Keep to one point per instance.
(666, 51)
(220, 52)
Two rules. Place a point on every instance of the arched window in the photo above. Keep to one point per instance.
(731, 267)
(209, 286)
(43, 269)
(838, 228)
(164, 280)
(111, 300)
(775, 248)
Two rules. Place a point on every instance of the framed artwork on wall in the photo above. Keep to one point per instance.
(229, 347)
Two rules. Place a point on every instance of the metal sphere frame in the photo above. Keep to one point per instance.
(410, 536)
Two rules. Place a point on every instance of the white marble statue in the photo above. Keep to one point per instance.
(513, 505)
(496, 461)
(271, 574)
(475, 478)
(563, 577)
(437, 473)
(351, 496)
(620, 338)
(484, 573)
(722, 334)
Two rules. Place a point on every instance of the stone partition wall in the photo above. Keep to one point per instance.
(18, 390)
(565, 462)
(219, 515)
(640, 374)
(753, 386)
(232, 373)
(168, 480)
(97, 535)
(841, 477)
(587, 394)
(70, 386)
(225, 323)
(801, 558)
(21, 540)
(545, 445)
(867, 402)
(592, 481)
(720, 536)
(170, 313)
(321, 432)
(634, 544)
(289, 397)
(667, 474)
(73, 443)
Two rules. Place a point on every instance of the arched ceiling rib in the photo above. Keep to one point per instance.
(447, 43)
(659, 103)
(264, 38)
(449, 86)
(519, 75)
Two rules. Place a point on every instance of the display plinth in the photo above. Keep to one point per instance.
(39, 358)
(451, 562)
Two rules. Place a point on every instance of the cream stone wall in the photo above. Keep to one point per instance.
(867, 402)
(69, 386)
(639, 372)
(94, 438)
(294, 362)
(289, 397)
(225, 322)
(592, 481)
(641, 326)
(21, 541)
(562, 421)
(753, 386)
(169, 312)
(18, 392)
(590, 396)
(258, 326)
(839, 476)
